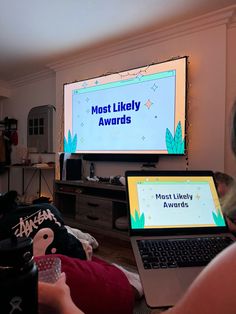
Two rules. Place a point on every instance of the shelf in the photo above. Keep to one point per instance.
(91, 206)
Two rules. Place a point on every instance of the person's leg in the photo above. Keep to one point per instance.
(134, 280)
(97, 286)
(213, 290)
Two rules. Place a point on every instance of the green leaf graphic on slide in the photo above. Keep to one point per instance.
(70, 144)
(218, 218)
(137, 221)
(175, 144)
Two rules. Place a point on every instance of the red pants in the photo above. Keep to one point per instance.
(96, 286)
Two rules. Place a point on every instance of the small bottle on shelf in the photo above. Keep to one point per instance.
(92, 170)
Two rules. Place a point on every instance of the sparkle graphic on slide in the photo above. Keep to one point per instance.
(96, 82)
(139, 76)
(82, 124)
(143, 137)
(154, 87)
(87, 99)
(149, 104)
(81, 140)
(197, 197)
(85, 84)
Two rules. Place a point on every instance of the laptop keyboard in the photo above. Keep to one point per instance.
(171, 253)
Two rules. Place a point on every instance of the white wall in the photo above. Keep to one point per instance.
(23, 98)
(5, 91)
(209, 41)
(230, 160)
(26, 97)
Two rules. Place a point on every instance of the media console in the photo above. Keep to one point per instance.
(92, 206)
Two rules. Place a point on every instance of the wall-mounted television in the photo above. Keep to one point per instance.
(137, 114)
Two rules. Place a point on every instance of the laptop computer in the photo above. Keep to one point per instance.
(169, 209)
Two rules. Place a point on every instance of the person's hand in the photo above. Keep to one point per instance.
(55, 298)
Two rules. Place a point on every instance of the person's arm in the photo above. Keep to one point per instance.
(56, 298)
(213, 291)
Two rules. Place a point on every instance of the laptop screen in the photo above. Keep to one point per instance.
(173, 201)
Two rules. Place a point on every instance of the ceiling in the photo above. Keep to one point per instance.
(35, 33)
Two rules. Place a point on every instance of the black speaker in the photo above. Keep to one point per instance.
(73, 169)
(61, 161)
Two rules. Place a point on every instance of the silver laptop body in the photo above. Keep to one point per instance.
(171, 205)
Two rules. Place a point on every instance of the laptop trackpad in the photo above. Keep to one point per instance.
(168, 286)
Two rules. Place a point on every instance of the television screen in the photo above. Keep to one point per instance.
(138, 112)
